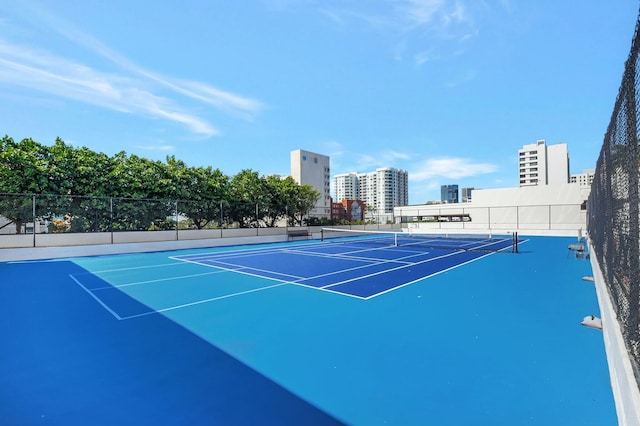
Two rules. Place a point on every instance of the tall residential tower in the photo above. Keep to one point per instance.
(542, 164)
(309, 168)
(381, 190)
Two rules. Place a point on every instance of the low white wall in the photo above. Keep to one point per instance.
(199, 234)
(623, 381)
(523, 209)
(56, 252)
(143, 236)
(125, 237)
(64, 239)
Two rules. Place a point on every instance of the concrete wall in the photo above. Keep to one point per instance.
(47, 246)
(99, 238)
(623, 384)
(547, 209)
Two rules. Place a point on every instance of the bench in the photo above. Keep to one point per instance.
(295, 233)
(580, 251)
(576, 247)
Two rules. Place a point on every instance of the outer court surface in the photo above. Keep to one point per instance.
(286, 335)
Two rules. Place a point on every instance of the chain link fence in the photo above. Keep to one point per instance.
(38, 214)
(613, 208)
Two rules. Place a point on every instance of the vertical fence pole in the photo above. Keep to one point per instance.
(631, 140)
(176, 211)
(221, 219)
(34, 218)
(111, 218)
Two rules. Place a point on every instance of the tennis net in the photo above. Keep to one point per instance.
(491, 242)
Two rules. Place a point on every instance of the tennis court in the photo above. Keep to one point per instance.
(316, 332)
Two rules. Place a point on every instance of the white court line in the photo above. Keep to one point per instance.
(228, 255)
(391, 270)
(249, 251)
(348, 256)
(243, 267)
(214, 255)
(120, 318)
(427, 276)
(158, 280)
(186, 305)
(327, 290)
(161, 265)
(342, 256)
(328, 274)
(380, 262)
(97, 299)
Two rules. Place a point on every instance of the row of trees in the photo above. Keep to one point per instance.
(80, 185)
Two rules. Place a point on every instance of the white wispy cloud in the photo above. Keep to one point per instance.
(44, 72)
(162, 148)
(386, 158)
(424, 29)
(420, 11)
(131, 89)
(425, 56)
(450, 168)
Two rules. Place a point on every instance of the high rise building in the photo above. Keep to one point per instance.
(382, 190)
(309, 168)
(542, 164)
(347, 186)
(466, 194)
(449, 193)
(583, 179)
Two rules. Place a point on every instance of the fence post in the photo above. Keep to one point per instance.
(631, 141)
(34, 218)
(221, 219)
(176, 211)
(111, 218)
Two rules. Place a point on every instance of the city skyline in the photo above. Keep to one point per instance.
(444, 89)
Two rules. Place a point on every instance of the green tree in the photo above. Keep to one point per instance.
(144, 190)
(274, 205)
(79, 181)
(246, 193)
(201, 191)
(23, 170)
(306, 197)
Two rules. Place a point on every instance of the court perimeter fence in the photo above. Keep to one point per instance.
(38, 220)
(614, 208)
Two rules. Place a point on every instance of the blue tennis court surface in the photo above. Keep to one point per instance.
(304, 333)
(350, 268)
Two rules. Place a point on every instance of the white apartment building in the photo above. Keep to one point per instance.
(382, 190)
(347, 186)
(466, 195)
(584, 179)
(542, 164)
(309, 168)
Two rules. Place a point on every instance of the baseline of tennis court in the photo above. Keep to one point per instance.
(273, 335)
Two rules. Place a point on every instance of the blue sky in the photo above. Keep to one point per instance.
(448, 90)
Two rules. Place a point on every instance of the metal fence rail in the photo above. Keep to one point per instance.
(614, 207)
(35, 219)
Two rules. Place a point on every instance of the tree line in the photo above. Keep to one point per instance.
(90, 191)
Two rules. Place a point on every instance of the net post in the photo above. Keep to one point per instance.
(322, 234)
(515, 242)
